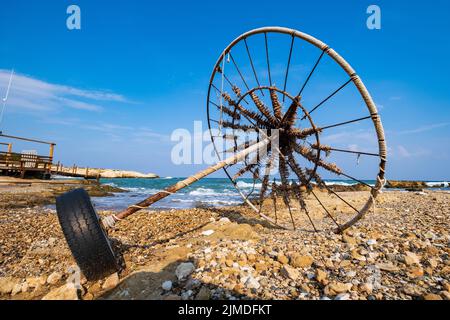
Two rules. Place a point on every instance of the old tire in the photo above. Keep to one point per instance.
(85, 236)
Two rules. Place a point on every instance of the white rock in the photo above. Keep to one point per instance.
(186, 295)
(167, 285)
(65, 292)
(252, 283)
(325, 298)
(54, 278)
(371, 242)
(207, 232)
(224, 220)
(342, 296)
(184, 269)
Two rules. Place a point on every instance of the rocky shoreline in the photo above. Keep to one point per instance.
(401, 251)
(19, 193)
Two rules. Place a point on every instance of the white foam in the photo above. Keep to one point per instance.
(243, 185)
(434, 184)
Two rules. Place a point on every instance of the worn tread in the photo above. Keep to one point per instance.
(86, 238)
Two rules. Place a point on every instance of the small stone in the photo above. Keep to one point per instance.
(184, 270)
(252, 283)
(203, 294)
(389, 267)
(416, 272)
(167, 285)
(321, 277)
(208, 232)
(348, 239)
(54, 278)
(299, 261)
(337, 287)
(290, 272)
(367, 288)
(282, 258)
(372, 242)
(445, 294)
(7, 285)
(447, 286)
(111, 282)
(88, 296)
(224, 220)
(411, 258)
(36, 282)
(342, 296)
(186, 295)
(229, 263)
(259, 266)
(65, 292)
(432, 296)
(17, 289)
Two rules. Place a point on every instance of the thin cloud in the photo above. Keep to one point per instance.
(33, 95)
(426, 128)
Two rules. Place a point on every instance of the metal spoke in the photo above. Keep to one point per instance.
(326, 210)
(267, 58)
(328, 148)
(344, 123)
(320, 182)
(302, 203)
(274, 200)
(284, 173)
(253, 67)
(311, 73)
(328, 98)
(239, 71)
(357, 180)
(288, 65)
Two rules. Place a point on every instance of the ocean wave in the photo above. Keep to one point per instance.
(243, 185)
(339, 183)
(432, 184)
(211, 192)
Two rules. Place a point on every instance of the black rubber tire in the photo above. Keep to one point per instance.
(85, 236)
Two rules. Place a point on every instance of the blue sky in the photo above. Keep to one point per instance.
(111, 93)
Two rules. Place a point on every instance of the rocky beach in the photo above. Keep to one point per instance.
(399, 251)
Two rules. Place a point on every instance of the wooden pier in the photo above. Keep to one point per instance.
(25, 164)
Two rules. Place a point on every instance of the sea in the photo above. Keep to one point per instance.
(207, 192)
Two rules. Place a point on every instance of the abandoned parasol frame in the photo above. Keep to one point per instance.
(380, 180)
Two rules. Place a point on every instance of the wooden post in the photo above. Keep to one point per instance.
(86, 176)
(52, 150)
(9, 147)
(188, 181)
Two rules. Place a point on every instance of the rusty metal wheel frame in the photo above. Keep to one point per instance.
(353, 78)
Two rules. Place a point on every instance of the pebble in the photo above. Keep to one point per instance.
(7, 284)
(252, 283)
(290, 272)
(111, 282)
(208, 232)
(184, 270)
(300, 261)
(65, 292)
(54, 278)
(167, 285)
(432, 296)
